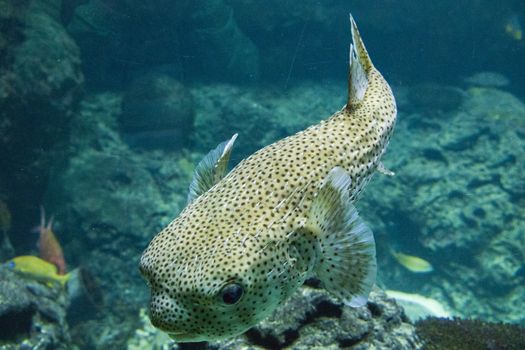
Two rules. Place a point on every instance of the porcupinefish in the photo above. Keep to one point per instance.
(248, 239)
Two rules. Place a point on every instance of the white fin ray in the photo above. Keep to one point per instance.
(346, 258)
(384, 170)
(211, 169)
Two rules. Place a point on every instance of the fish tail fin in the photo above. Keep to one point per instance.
(360, 67)
(63, 279)
(347, 257)
(393, 251)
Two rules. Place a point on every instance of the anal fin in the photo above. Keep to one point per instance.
(346, 263)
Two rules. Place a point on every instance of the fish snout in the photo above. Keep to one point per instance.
(165, 313)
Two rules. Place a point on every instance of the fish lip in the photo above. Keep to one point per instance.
(184, 337)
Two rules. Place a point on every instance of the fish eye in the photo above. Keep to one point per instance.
(231, 293)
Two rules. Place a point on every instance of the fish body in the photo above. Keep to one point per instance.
(247, 241)
(48, 245)
(413, 263)
(37, 268)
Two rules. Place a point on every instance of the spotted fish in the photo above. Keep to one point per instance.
(248, 239)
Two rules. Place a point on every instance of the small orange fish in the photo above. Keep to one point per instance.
(48, 245)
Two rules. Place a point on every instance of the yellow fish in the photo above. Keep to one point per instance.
(413, 263)
(37, 269)
(247, 240)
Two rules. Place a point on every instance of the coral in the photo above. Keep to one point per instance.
(458, 334)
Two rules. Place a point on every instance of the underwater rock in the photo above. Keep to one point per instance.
(311, 318)
(110, 201)
(487, 79)
(457, 199)
(458, 334)
(32, 314)
(502, 260)
(148, 336)
(201, 38)
(157, 112)
(109, 189)
(99, 29)
(85, 295)
(260, 116)
(454, 177)
(29, 78)
(40, 86)
(253, 121)
(308, 32)
(219, 44)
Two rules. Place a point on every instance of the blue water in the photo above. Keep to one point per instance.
(106, 106)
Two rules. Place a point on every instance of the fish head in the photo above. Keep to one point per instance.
(214, 289)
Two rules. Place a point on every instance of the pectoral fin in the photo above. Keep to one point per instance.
(346, 263)
(211, 169)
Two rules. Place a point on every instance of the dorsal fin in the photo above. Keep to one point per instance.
(360, 66)
(211, 169)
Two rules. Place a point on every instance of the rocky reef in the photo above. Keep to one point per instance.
(458, 191)
(40, 86)
(196, 38)
(420, 170)
(311, 319)
(32, 314)
(457, 334)
(112, 157)
(157, 112)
